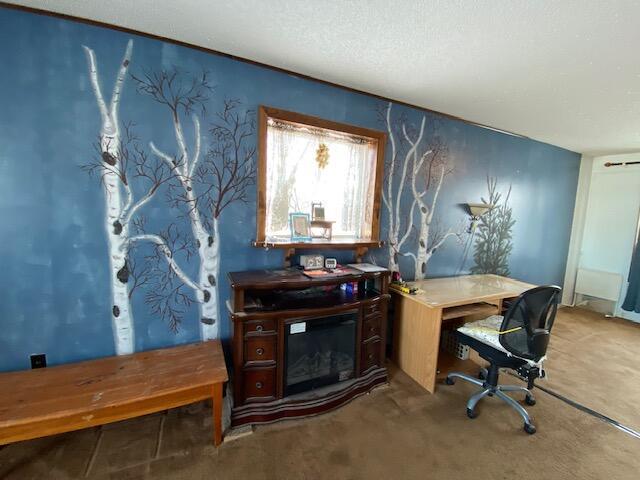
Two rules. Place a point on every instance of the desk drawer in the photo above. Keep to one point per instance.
(260, 348)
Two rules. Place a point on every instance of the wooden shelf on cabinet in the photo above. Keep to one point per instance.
(308, 310)
(292, 278)
(335, 244)
(360, 246)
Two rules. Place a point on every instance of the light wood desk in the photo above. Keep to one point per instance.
(450, 302)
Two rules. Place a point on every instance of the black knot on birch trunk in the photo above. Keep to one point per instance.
(123, 273)
(210, 240)
(117, 227)
(212, 280)
(423, 209)
(207, 296)
(198, 243)
(125, 63)
(189, 189)
(108, 158)
(208, 321)
(395, 258)
(423, 267)
(422, 243)
(116, 311)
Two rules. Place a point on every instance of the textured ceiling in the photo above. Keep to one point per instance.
(566, 73)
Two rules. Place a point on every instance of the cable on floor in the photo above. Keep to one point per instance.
(587, 410)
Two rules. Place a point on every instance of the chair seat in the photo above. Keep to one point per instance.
(485, 331)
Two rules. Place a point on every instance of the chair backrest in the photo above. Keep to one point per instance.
(530, 318)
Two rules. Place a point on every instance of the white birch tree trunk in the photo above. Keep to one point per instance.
(117, 233)
(208, 243)
(206, 287)
(422, 255)
(393, 256)
(424, 252)
(208, 279)
(392, 200)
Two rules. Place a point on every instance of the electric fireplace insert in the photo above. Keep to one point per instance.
(319, 351)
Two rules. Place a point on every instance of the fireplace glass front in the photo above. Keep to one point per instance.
(319, 352)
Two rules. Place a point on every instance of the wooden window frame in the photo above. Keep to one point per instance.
(378, 137)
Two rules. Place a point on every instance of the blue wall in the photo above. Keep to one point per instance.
(55, 284)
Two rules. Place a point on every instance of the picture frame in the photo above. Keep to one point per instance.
(299, 222)
(317, 211)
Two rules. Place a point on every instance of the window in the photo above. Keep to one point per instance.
(306, 161)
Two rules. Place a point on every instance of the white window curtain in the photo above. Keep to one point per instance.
(345, 185)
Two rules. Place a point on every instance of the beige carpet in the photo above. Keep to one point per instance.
(398, 432)
(594, 360)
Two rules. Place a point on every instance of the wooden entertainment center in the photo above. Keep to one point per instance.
(272, 311)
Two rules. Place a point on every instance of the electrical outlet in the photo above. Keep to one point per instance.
(38, 360)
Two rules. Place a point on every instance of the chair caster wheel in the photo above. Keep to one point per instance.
(530, 429)
(472, 413)
(529, 400)
(449, 381)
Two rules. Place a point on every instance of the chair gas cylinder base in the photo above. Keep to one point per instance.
(517, 341)
(490, 388)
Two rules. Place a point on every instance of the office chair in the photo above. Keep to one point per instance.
(517, 341)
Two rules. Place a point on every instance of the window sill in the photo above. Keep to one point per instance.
(335, 244)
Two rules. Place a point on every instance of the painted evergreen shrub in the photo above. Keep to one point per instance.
(494, 234)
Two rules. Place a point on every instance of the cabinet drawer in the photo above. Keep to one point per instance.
(260, 348)
(259, 326)
(370, 355)
(371, 326)
(259, 384)
(371, 309)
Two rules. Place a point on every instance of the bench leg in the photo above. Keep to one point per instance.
(217, 414)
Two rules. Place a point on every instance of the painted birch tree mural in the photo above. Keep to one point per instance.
(494, 242)
(206, 183)
(120, 160)
(421, 167)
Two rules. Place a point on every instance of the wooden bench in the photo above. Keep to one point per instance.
(37, 403)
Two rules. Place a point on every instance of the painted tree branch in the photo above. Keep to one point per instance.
(392, 200)
(168, 254)
(209, 184)
(422, 166)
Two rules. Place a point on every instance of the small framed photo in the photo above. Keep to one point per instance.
(317, 211)
(300, 228)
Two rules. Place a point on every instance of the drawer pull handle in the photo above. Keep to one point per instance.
(371, 328)
(370, 356)
(259, 351)
(259, 328)
(258, 385)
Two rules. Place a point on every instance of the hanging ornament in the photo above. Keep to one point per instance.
(322, 155)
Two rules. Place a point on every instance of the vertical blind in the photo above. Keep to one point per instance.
(345, 186)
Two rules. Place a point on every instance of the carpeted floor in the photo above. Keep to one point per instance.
(397, 432)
